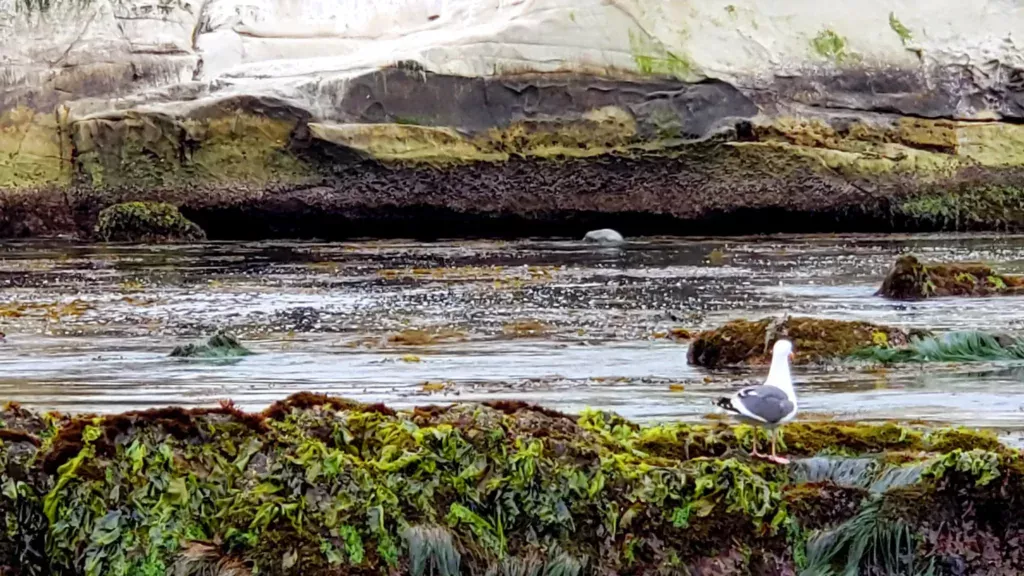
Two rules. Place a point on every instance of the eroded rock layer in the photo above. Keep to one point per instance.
(331, 119)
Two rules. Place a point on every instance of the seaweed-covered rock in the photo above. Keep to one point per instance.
(148, 222)
(317, 485)
(911, 279)
(220, 345)
(22, 488)
(814, 340)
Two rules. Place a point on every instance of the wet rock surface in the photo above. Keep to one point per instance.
(220, 345)
(140, 492)
(911, 279)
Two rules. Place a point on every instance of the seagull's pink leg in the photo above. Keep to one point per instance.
(753, 452)
(774, 458)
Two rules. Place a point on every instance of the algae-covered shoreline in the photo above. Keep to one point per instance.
(320, 485)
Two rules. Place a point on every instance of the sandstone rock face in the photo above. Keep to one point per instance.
(295, 116)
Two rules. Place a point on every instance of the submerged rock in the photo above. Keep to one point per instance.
(911, 279)
(319, 486)
(146, 222)
(814, 340)
(604, 236)
(220, 345)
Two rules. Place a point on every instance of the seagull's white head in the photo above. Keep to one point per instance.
(783, 349)
(778, 374)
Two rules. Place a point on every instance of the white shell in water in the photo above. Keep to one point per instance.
(604, 236)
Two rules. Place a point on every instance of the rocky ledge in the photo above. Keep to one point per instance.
(318, 485)
(557, 116)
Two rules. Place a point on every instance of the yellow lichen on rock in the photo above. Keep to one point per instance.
(404, 142)
(31, 150)
(157, 150)
(599, 131)
(996, 144)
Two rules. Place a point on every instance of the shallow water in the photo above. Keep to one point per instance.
(89, 327)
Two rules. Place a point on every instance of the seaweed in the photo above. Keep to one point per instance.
(814, 340)
(910, 279)
(961, 346)
(316, 485)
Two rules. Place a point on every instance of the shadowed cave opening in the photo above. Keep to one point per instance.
(432, 223)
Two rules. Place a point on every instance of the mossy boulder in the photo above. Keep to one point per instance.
(814, 340)
(911, 279)
(325, 486)
(146, 222)
(220, 345)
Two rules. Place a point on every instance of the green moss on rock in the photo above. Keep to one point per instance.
(33, 153)
(814, 340)
(155, 151)
(146, 222)
(911, 279)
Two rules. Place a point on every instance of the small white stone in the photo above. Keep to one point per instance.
(604, 236)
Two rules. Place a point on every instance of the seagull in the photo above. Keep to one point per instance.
(770, 404)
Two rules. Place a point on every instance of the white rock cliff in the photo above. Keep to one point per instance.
(865, 88)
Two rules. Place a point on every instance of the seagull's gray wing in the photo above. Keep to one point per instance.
(766, 404)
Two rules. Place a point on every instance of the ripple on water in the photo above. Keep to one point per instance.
(303, 305)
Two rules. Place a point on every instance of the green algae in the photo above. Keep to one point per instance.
(965, 346)
(319, 485)
(910, 279)
(830, 45)
(902, 31)
(653, 59)
(968, 208)
(146, 222)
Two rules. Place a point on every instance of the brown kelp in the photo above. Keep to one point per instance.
(911, 279)
(319, 485)
(814, 340)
